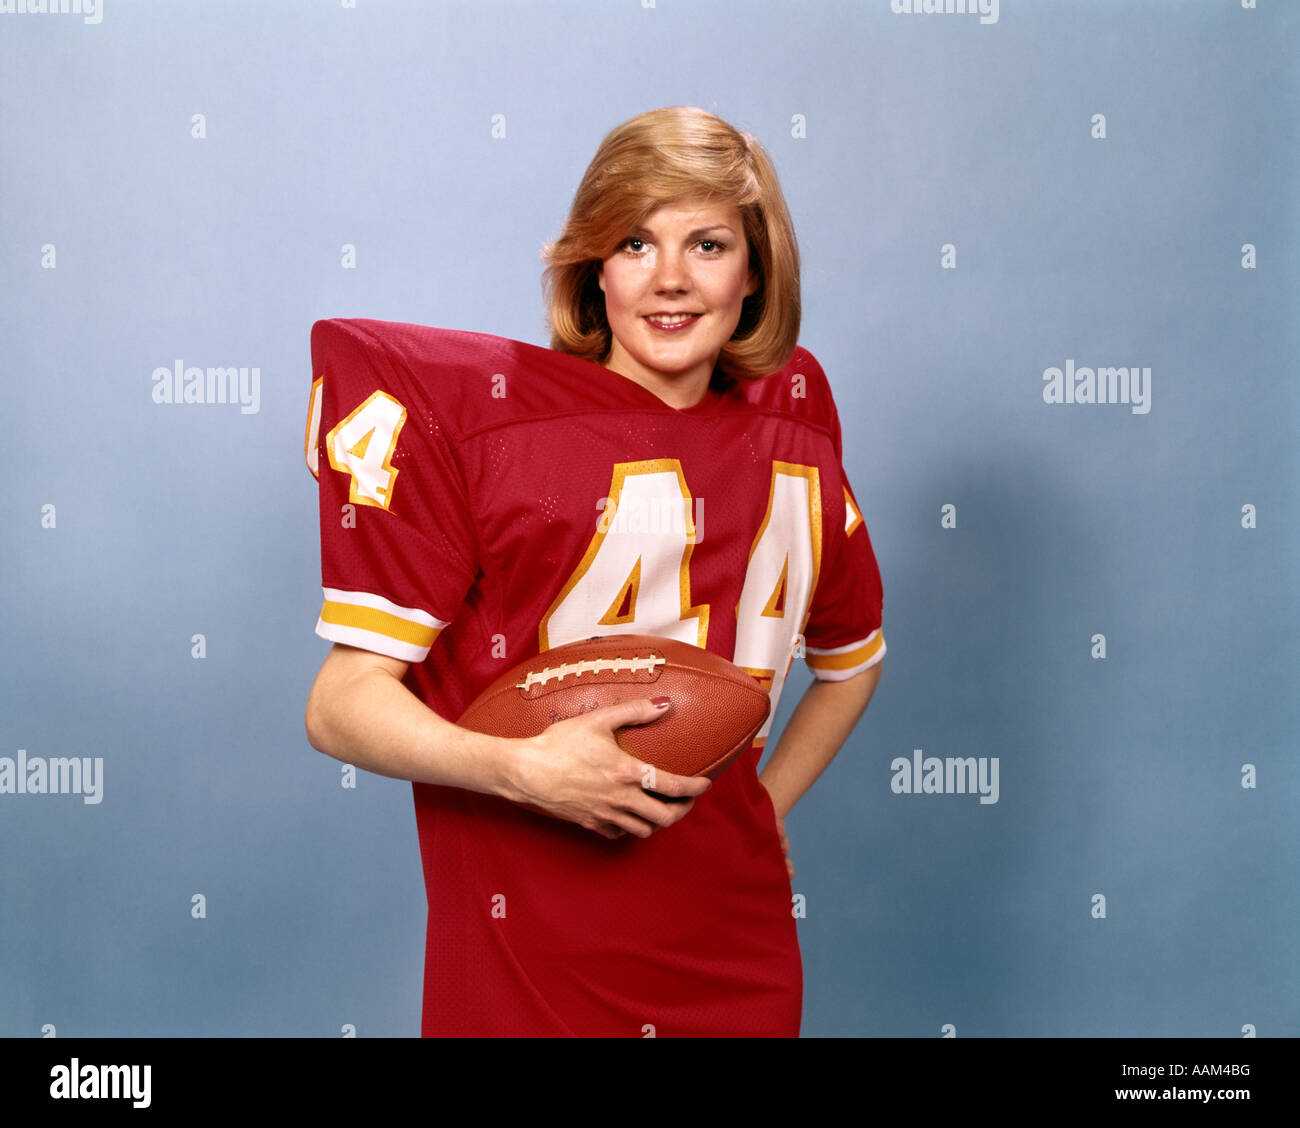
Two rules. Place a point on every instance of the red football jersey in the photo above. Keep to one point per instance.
(483, 499)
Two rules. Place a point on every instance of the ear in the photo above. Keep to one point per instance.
(600, 277)
(751, 285)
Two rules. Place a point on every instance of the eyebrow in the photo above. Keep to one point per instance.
(695, 234)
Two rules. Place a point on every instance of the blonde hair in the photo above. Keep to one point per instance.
(661, 157)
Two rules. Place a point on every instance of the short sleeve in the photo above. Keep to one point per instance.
(843, 635)
(398, 547)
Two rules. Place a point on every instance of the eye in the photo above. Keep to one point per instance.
(633, 244)
(712, 246)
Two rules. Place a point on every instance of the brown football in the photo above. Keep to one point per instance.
(716, 711)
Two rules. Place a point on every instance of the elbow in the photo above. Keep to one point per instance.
(314, 719)
(311, 722)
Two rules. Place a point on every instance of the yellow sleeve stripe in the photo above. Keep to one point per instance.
(378, 622)
(371, 622)
(840, 662)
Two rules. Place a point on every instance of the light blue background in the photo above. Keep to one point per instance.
(371, 126)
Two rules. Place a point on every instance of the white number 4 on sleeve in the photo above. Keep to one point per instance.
(362, 446)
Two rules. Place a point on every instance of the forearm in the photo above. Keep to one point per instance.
(359, 711)
(816, 731)
(362, 714)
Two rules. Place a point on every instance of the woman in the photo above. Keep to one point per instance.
(471, 490)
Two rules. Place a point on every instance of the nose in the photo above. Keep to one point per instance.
(671, 274)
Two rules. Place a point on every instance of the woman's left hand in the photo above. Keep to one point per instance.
(780, 830)
(785, 845)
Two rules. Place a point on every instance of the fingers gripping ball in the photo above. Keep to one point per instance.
(717, 707)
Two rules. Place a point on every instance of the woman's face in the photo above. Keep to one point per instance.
(673, 296)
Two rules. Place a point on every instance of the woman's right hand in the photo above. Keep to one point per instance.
(576, 771)
(361, 712)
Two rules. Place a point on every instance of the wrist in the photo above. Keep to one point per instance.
(503, 759)
(774, 792)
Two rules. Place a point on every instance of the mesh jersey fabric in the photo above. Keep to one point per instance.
(481, 500)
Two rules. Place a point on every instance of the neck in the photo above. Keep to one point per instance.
(679, 392)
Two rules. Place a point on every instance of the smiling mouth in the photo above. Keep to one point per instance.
(672, 322)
